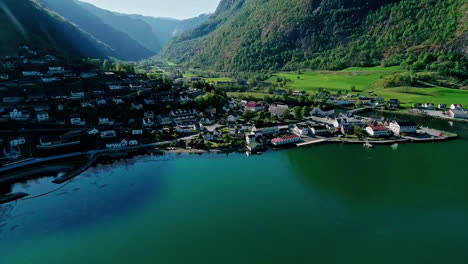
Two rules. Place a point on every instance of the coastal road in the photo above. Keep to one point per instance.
(92, 153)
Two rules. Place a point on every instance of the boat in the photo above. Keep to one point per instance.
(12, 197)
(368, 145)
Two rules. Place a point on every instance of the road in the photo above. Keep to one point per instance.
(92, 153)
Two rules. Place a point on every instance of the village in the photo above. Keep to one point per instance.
(52, 107)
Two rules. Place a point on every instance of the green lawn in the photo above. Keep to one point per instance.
(366, 80)
(311, 80)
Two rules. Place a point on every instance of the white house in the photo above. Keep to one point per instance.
(429, 106)
(400, 127)
(456, 107)
(105, 121)
(93, 131)
(137, 131)
(108, 134)
(301, 130)
(15, 114)
(148, 122)
(133, 142)
(42, 116)
(377, 131)
(265, 129)
(17, 141)
(75, 119)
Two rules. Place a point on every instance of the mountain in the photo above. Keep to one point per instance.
(250, 35)
(166, 28)
(26, 22)
(125, 47)
(133, 37)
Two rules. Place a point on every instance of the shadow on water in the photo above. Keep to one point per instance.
(105, 192)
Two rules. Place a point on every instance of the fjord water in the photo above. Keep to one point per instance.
(323, 204)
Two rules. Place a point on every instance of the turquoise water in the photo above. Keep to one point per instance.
(323, 204)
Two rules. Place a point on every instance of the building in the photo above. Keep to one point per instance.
(400, 127)
(114, 144)
(253, 106)
(185, 129)
(278, 109)
(299, 93)
(148, 122)
(377, 131)
(265, 129)
(164, 120)
(339, 122)
(15, 114)
(137, 131)
(300, 130)
(442, 106)
(105, 121)
(285, 140)
(318, 129)
(211, 110)
(394, 103)
(429, 106)
(457, 113)
(320, 113)
(347, 130)
(31, 74)
(184, 116)
(456, 107)
(108, 134)
(93, 131)
(76, 120)
(50, 140)
(17, 141)
(12, 152)
(76, 95)
(42, 116)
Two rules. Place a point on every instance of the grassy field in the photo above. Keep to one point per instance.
(368, 80)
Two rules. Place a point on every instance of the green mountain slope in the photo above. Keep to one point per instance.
(245, 35)
(26, 22)
(137, 29)
(125, 47)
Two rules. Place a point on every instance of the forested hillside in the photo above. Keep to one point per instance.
(250, 35)
(125, 47)
(26, 22)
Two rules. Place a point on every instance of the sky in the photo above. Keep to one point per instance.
(179, 9)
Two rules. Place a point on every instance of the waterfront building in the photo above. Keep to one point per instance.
(285, 140)
(400, 127)
(377, 131)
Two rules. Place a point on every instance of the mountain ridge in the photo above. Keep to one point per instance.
(256, 35)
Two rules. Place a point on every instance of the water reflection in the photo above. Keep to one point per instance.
(103, 193)
(422, 175)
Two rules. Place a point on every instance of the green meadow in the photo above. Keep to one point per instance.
(368, 80)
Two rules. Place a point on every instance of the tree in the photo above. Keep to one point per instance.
(297, 112)
(106, 65)
(305, 111)
(285, 114)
